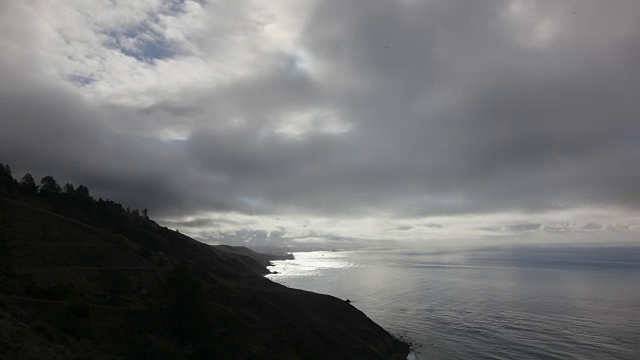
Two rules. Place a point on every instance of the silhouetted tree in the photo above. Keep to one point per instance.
(28, 185)
(82, 192)
(5, 170)
(6, 179)
(136, 212)
(145, 213)
(69, 189)
(49, 185)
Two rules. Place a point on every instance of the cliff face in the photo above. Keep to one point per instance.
(77, 286)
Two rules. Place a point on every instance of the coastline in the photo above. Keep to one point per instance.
(406, 351)
(86, 282)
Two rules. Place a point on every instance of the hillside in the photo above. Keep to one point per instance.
(86, 279)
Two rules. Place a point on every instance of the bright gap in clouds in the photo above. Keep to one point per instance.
(141, 53)
(608, 226)
(297, 125)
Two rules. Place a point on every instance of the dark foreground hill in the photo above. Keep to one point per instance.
(86, 279)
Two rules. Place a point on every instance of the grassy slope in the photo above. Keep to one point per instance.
(81, 292)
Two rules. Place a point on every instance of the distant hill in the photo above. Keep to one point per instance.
(264, 259)
(88, 279)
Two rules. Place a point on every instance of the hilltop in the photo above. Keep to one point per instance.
(82, 278)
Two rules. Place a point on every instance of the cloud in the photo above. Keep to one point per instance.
(398, 111)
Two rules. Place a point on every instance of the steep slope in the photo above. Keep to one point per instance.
(93, 287)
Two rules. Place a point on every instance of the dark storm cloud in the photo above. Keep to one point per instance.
(528, 130)
(521, 128)
(450, 112)
(49, 131)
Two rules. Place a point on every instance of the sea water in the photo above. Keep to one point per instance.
(535, 302)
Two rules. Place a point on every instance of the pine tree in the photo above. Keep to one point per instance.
(68, 188)
(28, 184)
(49, 185)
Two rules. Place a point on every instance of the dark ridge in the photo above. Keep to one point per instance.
(264, 259)
(88, 279)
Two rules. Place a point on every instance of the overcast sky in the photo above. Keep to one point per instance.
(305, 122)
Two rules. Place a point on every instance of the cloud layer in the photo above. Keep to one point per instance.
(237, 120)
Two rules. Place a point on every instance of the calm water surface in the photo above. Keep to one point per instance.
(498, 303)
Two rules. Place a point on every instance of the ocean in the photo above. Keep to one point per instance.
(519, 302)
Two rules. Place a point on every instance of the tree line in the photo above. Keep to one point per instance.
(77, 203)
(64, 198)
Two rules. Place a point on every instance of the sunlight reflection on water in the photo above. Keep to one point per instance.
(311, 264)
(488, 303)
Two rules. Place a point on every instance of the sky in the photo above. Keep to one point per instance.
(308, 123)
